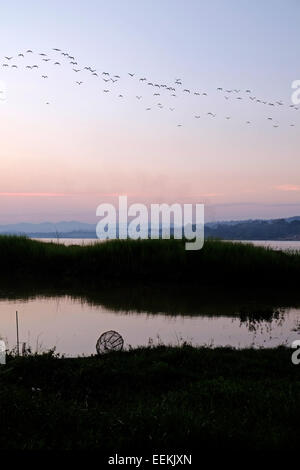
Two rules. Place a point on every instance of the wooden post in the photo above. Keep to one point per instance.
(17, 324)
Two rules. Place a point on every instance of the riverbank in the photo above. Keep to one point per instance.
(181, 399)
(121, 262)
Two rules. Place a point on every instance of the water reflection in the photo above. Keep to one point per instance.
(72, 322)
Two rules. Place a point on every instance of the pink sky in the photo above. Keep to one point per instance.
(60, 161)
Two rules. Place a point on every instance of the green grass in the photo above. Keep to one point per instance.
(148, 261)
(182, 399)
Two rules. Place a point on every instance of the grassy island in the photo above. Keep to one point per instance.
(145, 261)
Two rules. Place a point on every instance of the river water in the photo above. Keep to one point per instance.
(72, 324)
(275, 245)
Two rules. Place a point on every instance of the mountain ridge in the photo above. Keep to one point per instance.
(249, 229)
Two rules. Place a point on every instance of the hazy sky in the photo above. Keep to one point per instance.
(58, 161)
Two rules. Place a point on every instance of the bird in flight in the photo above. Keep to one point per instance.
(178, 82)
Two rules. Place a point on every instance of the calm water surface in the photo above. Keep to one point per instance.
(73, 326)
(275, 245)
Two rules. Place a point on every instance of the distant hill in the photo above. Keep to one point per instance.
(275, 229)
(48, 228)
(272, 229)
(236, 222)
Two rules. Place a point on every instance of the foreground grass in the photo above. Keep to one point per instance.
(147, 261)
(180, 399)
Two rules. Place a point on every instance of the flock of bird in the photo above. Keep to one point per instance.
(58, 58)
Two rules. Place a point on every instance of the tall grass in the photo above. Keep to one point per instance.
(146, 261)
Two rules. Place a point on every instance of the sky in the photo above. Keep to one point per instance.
(59, 161)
